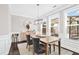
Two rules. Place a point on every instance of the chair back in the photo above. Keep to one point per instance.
(28, 39)
(36, 44)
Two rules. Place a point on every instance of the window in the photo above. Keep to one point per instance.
(44, 28)
(54, 26)
(73, 24)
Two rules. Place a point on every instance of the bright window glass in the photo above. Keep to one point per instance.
(44, 28)
(54, 25)
(73, 23)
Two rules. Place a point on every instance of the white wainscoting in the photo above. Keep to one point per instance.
(5, 43)
(71, 44)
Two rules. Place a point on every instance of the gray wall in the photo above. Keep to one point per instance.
(18, 23)
(4, 20)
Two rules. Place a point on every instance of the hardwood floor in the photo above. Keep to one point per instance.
(15, 51)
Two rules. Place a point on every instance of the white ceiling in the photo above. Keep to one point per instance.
(30, 10)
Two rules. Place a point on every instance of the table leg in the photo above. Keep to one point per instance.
(59, 47)
(46, 46)
(53, 47)
(49, 48)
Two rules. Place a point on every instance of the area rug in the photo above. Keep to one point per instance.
(23, 50)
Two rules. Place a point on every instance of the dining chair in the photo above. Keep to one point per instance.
(37, 47)
(29, 41)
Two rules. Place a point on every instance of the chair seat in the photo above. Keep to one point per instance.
(41, 49)
(30, 43)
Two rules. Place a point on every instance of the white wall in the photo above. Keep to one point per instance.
(4, 20)
(5, 40)
(18, 23)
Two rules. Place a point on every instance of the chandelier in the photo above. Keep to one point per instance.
(38, 20)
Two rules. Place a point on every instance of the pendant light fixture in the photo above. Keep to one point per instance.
(37, 11)
(38, 20)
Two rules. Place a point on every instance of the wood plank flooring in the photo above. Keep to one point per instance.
(15, 51)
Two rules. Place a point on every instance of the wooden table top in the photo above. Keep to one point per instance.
(49, 39)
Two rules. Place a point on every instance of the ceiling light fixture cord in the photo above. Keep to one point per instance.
(38, 12)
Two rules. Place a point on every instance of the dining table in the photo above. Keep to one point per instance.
(49, 40)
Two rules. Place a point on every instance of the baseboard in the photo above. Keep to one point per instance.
(24, 41)
(74, 53)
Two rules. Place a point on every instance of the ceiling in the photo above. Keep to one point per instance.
(31, 10)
